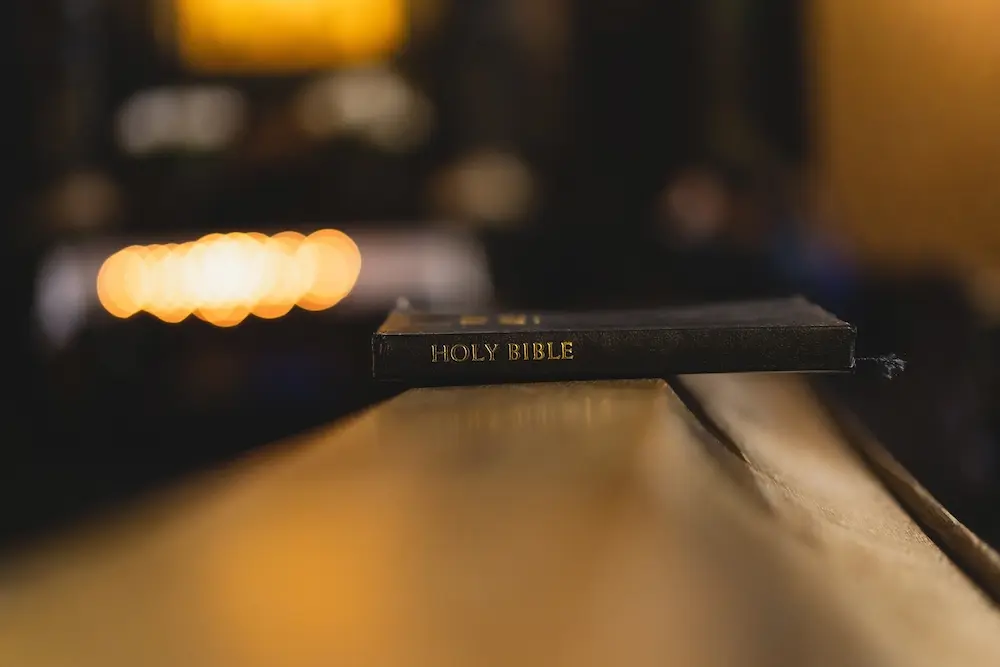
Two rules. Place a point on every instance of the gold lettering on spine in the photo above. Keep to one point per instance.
(534, 351)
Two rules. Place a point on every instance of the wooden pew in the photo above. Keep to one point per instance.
(727, 523)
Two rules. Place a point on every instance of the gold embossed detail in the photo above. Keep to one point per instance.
(513, 320)
(463, 352)
(472, 320)
(475, 352)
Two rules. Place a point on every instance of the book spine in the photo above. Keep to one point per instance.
(513, 356)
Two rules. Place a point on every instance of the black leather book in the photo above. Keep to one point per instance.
(774, 335)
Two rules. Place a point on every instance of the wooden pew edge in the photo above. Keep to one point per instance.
(977, 560)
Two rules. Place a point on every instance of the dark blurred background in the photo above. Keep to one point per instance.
(477, 154)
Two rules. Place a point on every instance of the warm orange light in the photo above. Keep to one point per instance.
(281, 35)
(338, 264)
(299, 268)
(161, 276)
(113, 283)
(223, 317)
(278, 291)
(223, 278)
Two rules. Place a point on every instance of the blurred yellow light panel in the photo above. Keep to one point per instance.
(223, 278)
(274, 36)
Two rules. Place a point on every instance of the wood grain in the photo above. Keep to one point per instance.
(549, 524)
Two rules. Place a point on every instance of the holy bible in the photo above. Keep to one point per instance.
(772, 335)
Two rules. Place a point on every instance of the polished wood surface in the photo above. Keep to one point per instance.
(549, 524)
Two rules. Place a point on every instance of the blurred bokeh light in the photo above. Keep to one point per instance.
(200, 118)
(223, 278)
(279, 36)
